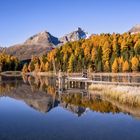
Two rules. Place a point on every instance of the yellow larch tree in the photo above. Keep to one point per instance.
(135, 64)
(115, 66)
(126, 66)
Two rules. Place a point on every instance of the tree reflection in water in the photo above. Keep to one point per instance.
(42, 94)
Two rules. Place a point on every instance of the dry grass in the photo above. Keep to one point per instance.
(123, 94)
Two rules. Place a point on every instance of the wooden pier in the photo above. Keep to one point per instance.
(87, 80)
(108, 79)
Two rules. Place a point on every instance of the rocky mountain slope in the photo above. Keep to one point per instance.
(135, 29)
(74, 36)
(41, 43)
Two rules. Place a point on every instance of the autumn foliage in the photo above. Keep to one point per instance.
(99, 53)
(8, 62)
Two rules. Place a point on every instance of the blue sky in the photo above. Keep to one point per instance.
(19, 19)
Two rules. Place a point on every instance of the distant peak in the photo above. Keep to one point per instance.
(73, 36)
(137, 26)
(44, 32)
(43, 42)
(135, 29)
(42, 38)
(80, 29)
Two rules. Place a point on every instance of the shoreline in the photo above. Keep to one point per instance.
(123, 94)
(80, 73)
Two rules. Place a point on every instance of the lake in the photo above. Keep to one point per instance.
(36, 109)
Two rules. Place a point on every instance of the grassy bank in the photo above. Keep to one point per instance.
(124, 94)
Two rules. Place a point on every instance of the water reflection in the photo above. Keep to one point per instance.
(43, 94)
(117, 78)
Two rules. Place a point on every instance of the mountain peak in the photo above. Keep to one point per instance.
(43, 42)
(135, 29)
(137, 25)
(42, 38)
(73, 36)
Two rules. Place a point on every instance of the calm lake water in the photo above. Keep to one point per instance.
(35, 109)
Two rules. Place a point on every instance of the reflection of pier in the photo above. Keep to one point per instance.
(64, 84)
(67, 83)
(42, 94)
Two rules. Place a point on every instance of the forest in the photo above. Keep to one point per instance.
(99, 53)
(9, 63)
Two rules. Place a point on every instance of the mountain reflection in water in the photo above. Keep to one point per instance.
(42, 94)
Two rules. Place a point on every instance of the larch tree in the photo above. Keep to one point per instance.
(25, 68)
(120, 62)
(126, 66)
(137, 48)
(106, 66)
(42, 67)
(31, 66)
(135, 64)
(125, 50)
(115, 66)
(47, 66)
(71, 64)
(37, 67)
(106, 56)
(97, 53)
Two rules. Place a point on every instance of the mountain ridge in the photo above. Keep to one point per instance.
(41, 43)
